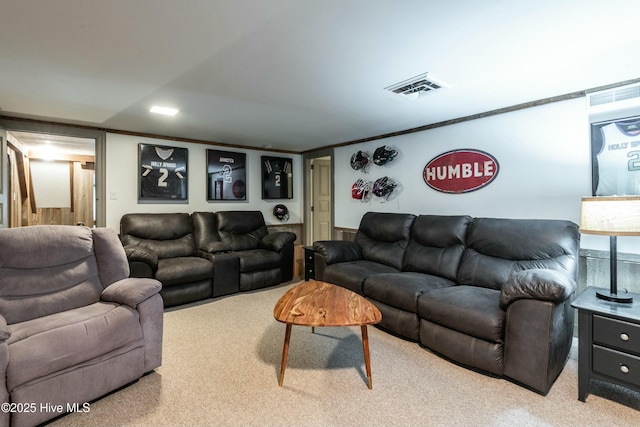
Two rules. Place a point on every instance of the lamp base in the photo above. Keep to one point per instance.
(606, 295)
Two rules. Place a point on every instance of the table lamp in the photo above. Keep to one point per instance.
(611, 216)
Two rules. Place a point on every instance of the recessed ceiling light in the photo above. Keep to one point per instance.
(167, 111)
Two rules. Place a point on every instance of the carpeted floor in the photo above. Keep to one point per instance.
(222, 357)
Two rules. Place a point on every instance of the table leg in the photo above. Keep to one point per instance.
(367, 361)
(285, 352)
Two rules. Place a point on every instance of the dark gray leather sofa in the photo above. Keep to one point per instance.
(245, 255)
(205, 254)
(491, 294)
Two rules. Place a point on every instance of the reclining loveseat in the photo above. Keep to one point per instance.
(492, 294)
(73, 325)
(206, 254)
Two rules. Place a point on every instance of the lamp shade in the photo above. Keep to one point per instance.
(611, 215)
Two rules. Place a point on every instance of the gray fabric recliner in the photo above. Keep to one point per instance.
(73, 325)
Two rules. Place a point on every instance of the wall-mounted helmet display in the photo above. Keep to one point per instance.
(281, 212)
(361, 190)
(383, 187)
(360, 160)
(383, 155)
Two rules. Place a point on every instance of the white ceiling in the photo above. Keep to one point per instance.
(301, 74)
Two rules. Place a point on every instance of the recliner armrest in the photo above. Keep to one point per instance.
(276, 241)
(141, 254)
(5, 332)
(541, 284)
(334, 251)
(131, 291)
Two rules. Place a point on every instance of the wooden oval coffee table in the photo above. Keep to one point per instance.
(316, 303)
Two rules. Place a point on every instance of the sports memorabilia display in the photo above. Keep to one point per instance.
(383, 187)
(360, 161)
(361, 190)
(277, 178)
(615, 154)
(162, 173)
(226, 175)
(281, 212)
(383, 155)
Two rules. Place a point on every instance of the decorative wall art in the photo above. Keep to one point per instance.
(277, 178)
(226, 175)
(460, 171)
(162, 173)
(615, 157)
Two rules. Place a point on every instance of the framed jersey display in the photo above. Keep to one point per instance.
(615, 157)
(277, 178)
(226, 175)
(162, 173)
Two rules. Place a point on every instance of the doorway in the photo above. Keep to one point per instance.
(51, 179)
(318, 196)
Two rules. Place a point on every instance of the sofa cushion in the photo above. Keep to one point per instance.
(436, 245)
(173, 271)
(351, 275)
(52, 343)
(471, 310)
(63, 254)
(383, 237)
(401, 290)
(205, 231)
(258, 259)
(497, 248)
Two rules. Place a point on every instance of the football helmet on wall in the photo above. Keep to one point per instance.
(361, 190)
(383, 155)
(281, 212)
(360, 161)
(383, 187)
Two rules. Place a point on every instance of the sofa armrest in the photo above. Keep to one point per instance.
(138, 253)
(5, 332)
(541, 284)
(131, 291)
(215, 247)
(334, 251)
(276, 241)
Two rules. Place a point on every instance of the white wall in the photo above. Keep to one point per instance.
(545, 169)
(122, 180)
(51, 183)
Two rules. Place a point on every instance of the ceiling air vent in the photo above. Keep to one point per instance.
(417, 85)
(623, 94)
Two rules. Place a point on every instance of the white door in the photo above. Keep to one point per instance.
(321, 203)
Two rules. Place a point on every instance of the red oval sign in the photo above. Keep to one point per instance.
(460, 171)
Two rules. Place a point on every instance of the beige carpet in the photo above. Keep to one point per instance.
(221, 364)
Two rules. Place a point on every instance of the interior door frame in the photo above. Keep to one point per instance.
(100, 136)
(307, 157)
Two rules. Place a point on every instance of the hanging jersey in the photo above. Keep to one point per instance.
(619, 159)
(163, 172)
(276, 178)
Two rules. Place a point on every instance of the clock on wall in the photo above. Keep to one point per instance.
(277, 178)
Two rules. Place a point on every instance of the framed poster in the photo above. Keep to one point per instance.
(226, 175)
(277, 178)
(615, 157)
(162, 173)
